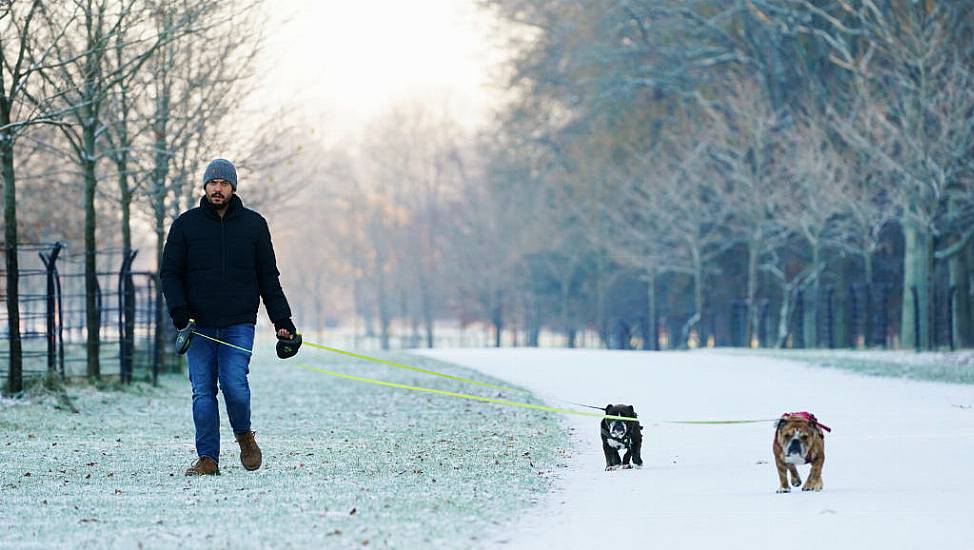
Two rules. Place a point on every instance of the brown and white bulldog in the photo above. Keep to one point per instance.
(798, 439)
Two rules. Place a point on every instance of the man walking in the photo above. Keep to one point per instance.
(218, 262)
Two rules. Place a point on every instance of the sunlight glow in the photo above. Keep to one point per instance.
(352, 60)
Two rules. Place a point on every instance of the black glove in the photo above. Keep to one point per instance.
(285, 324)
(288, 347)
(180, 317)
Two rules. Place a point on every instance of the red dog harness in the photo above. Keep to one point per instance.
(806, 416)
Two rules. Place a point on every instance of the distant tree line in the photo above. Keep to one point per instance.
(781, 166)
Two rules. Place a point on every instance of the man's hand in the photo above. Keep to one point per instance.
(180, 317)
(285, 329)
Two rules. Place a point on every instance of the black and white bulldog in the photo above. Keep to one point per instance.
(621, 434)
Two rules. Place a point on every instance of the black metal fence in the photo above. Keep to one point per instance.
(53, 323)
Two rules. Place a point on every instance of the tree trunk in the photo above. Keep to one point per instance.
(128, 287)
(698, 302)
(160, 301)
(384, 315)
(160, 173)
(784, 313)
(752, 291)
(843, 334)
(961, 303)
(563, 310)
(810, 311)
(497, 318)
(600, 322)
(917, 273)
(15, 382)
(651, 311)
(426, 299)
(92, 313)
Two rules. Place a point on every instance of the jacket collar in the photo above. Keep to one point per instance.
(232, 209)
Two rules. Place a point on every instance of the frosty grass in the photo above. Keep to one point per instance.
(346, 464)
(951, 367)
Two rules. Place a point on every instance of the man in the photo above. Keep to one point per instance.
(217, 263)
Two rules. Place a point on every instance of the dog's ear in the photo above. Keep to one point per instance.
(607, 407)
(630, 412)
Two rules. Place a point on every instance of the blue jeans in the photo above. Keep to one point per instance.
(209, 362)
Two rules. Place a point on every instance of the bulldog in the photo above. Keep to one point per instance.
(798, 439)
(621, 434)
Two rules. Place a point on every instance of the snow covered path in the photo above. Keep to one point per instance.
(898, 472)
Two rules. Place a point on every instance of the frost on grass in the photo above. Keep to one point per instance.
(954, 367)
(346, 464)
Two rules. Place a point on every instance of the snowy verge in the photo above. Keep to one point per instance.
(346, 464)
(955, 367)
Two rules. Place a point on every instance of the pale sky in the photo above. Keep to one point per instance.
(351, 60)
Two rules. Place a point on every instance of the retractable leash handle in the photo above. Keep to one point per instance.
(288, 347)
(184, 337)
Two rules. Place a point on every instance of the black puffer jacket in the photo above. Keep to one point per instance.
(219, 268)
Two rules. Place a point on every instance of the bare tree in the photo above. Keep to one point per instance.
(749, 150)
(819, 190)
(83, 82)
(415, 158)
(25, 56)
(912, 120)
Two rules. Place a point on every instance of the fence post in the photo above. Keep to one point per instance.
(126, 320)
(156, 301)
(50, 259)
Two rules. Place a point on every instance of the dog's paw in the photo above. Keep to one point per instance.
(815, 488)
(783, 490)
(795, 482)
(639, 465)
(627, 466)
(610, 468)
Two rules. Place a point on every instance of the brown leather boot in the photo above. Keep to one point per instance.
(204, 466)
(250, 455)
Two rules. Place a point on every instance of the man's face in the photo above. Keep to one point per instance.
(218, 192)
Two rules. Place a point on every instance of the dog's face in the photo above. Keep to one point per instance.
(797, 436)
(619, 428)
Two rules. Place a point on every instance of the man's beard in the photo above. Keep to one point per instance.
(220, 206)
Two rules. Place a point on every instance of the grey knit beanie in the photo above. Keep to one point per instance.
(221, 169)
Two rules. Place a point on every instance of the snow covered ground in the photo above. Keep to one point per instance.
(897, 475)
(346, 465)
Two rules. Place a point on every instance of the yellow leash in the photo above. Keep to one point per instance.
(517, 403)
(377, 360)
(412, 368)
(464, 395)
(495, 401)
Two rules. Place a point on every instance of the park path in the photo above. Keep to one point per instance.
(897, 473)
